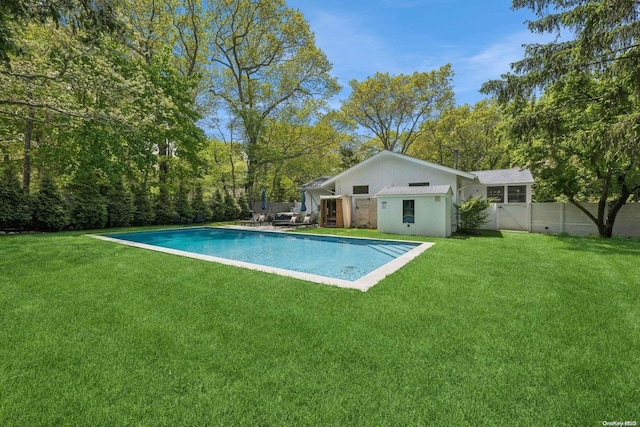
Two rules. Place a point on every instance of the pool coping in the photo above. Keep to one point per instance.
(363, 284)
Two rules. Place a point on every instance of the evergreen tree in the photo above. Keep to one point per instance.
(198, 205)
(217, 206)
(574, 104)
(89, 206)
(15, 211)
(231, 208)
(143, 213)
(245, 212)
(50, 211)
(120, 207)
(182, 205)
(164, 208)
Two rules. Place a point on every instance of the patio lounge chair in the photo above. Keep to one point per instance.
(284, 219)
(306, 222)
(257, 219)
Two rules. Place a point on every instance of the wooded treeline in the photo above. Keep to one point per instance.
(124, 112)
(116, 112)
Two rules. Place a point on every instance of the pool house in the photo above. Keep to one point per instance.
(401, 194)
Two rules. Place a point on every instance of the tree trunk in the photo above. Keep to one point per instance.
(615, 206)
(607, 212)
(252, 162)
(233, 170)
(163, 152)
(28, 135)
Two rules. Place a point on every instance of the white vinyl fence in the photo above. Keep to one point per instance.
(559, 218)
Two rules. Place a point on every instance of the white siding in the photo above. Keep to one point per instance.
(313, 198)
(432, 214)
(393, 172)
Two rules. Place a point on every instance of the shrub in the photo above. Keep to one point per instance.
(472, 214)
(217, 206)
(50, 211)
(89, 206)
(143, 213)
(245, 212)
(119, 205)
(164, 208)
(182, 205)
(231, 208)
(15, 211)
(198, 205)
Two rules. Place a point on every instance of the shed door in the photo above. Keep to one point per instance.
(366, 213)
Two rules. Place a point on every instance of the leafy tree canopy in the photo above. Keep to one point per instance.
(392, 108)
(581, 136)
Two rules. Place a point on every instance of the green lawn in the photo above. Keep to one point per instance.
(507, 329)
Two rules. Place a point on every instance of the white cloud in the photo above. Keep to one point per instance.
(358, 48)
(491, 62)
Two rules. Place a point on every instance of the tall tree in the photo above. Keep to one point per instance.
(475, 133)
(392, 108)
(263, 57)
(167, 35)
(298, 146)
(589, 116)
(95, 17)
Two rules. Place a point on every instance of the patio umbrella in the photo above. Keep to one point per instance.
(303, 198)
(264, 199)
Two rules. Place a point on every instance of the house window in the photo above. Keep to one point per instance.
(408, 210)
(418, 184)
(517, 194)
(360, 189)
(495, 194)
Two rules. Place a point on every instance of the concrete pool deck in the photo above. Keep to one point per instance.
(362, 284)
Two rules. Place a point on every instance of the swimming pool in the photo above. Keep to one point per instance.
(346, 262)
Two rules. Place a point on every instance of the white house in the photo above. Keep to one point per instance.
(355, 197)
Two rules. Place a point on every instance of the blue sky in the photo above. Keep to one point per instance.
(480, 38)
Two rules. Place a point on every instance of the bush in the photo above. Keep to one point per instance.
(472, 214)
(143, 213)
(50, 211)
(182, 205)
(198, 205)
(245, 212)
(217, 206)
(15, 211)
(164, 208)
(120, 207)
(231, 208)
(89, 206)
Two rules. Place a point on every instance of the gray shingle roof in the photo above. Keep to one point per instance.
(504, 176)
(316, 182)
(410, 191)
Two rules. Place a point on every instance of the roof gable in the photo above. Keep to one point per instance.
(390, 154)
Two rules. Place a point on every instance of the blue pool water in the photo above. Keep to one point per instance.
(335, 257)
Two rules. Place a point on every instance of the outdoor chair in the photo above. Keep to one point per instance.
(257, 219)
(284, 219)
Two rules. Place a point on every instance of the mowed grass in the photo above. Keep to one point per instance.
(503, 329)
